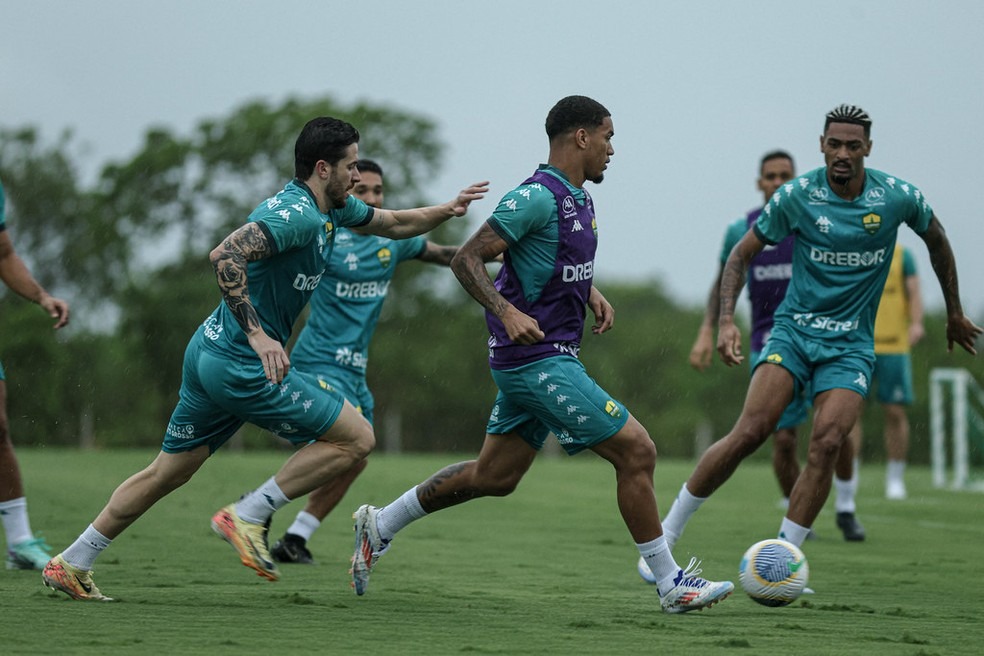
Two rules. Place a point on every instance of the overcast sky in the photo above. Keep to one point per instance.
(698, 92)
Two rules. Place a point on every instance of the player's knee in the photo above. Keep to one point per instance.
(363, 443)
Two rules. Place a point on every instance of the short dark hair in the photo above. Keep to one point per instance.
(775, 154)
(573, 113)
(368, 165)
(323, 138)
(853, 114)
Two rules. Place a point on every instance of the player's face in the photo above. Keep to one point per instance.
(844, 148)
(343, 176)
(775, 172)
(369, 189)
(598, 150)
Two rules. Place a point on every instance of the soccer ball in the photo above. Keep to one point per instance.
(773, 572)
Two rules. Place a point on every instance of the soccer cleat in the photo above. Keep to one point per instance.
(76, 583)
(292, 549)
(29, 554)
(850, 526)
(248, 539)
(691, 592)
(895, 491)
(369, 546)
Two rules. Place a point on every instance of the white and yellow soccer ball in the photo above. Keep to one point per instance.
(773, 572)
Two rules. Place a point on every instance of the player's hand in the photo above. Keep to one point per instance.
(703, 349)
(916, 333)
(475, 192)
(961, 330)
(603, 311)
(520, 327)
(56, 308)
(729, 344)
(272, 355)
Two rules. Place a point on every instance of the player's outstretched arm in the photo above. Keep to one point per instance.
(959, 329)
(732, 280)
(18, 278)
(400, 224)
(230, 259)
(468, 267)
(703, 349)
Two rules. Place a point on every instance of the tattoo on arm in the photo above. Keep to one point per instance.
(444, 489)
(437, 254)
(247, 244)
(469, 268)
(732, 280)
(944, 264)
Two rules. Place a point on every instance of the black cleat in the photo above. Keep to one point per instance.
(292, 549)
(850, 526)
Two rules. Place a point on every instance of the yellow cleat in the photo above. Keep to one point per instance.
(248, 539)
(76, 583)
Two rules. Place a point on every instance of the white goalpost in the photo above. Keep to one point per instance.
(955, 420)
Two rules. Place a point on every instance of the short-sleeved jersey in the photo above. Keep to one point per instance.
(346, 305)
(550, 228)
(842, 252)
(892, 320)
(281, 285)
(768, 276)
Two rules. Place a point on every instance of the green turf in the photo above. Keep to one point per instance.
(549, 570)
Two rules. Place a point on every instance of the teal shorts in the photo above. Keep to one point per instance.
(554, 395)
(818, 367)
(1, 372)
(352, 386)
(798, 409)
(219, 394)
(893, 378)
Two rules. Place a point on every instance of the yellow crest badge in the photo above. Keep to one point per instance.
(871, 222)
(329, 226)
(612, 409)
(385, 255)
(774, 358)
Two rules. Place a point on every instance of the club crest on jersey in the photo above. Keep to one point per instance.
(871, 222)
(594, 226)
(329, 226)
(384, 255)
(612, 408)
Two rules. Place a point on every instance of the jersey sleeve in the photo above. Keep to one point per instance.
(735, 231)
(525, 209)
(908, 263)
(921, 213)
(409, 249)
(776, 222)
(289, 225)
(355, 213)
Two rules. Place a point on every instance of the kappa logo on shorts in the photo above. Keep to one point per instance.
(861, 381)
(612, 408)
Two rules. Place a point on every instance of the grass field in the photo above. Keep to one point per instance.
(549, 570)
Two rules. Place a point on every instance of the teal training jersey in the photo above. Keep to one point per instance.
(526, 219)
(732, 235)
(843, 251)
(281, 285)
(346, 305)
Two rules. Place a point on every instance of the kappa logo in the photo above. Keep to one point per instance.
(871, 223)
(352, 260)
(568, 204)
(823, 224)
(861, 381)
(577, 227)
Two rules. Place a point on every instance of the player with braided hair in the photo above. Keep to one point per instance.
(846, 218)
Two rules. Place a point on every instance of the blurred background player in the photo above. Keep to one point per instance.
(898, 327)
(334, 343)
(24, 549)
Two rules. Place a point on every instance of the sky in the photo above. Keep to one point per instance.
(698, 91)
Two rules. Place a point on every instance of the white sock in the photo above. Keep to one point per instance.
(682, 509)
(895, 470)
(397, 515)
(657, 555)
(790, 531)
(846, 491)
(15, 522)
(83, 552)
(305, 524)
(259, 505)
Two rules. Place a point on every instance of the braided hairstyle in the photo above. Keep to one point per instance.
(845, 113)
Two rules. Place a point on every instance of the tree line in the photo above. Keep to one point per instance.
(129, 251)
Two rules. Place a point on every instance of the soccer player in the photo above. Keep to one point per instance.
(846, 218)
(236, 369)
(546, 231)
(898, 327)
(334, 343)
(24, 549)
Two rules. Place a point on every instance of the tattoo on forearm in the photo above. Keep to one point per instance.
(445, 489)
(732, 280)
(474, 277)
(241, 247)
